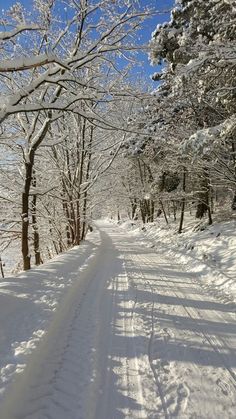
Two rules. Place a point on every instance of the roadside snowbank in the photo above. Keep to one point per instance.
(28, 303)
(209, 251)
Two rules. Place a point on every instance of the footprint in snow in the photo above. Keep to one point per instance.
(225, 388)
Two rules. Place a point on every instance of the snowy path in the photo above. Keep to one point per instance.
(139, 338)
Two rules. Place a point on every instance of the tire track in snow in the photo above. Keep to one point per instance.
(94, 361)
(48, 392)
(129, 326)
(214, 341)
(226, 385)
(150, 343)
(79, 355)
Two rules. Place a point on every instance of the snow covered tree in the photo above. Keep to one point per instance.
(197, 48)
(58, 61)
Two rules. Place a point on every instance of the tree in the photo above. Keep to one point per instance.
(53, 64)
(198, 46)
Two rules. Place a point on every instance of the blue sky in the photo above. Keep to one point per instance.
(148, 27)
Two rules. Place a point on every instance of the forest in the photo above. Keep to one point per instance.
(84, 136)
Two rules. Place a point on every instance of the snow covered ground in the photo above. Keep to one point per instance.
(29, 301)
(209, 251)
(131, 333)
(11, 258)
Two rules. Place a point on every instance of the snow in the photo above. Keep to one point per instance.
(20, 28)
(25, 63)
(204, 140)
(10, 258)
(207, 250)
(131, 333)
(28, 303)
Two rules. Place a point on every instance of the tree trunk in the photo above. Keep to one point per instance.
(233, 206)
(35, 226)
(85, 202)
(66, 212)
(210, 221)
(182, 204)
(78, 222)
(203, 206)
(25, 216)
(83, 234)
(174, 210)
(147, 209)
(51, 234)
(1, 268)
(80, 159)
(133, 209)
(29, 164)
(152, 210)
(164, 211)
(64, 201)
(142, 211)
(234, 202)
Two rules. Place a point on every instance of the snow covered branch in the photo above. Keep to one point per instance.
(26, 63)
(6, 35)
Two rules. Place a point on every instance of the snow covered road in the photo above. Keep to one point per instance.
(138, 337)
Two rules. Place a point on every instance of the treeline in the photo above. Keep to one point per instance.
(61, 92)
(182, 153)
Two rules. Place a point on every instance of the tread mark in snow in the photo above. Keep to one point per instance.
(223, 386)
(150, 354)
(212, 341)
